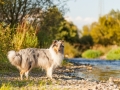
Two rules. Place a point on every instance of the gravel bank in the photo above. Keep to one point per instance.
(62, 80)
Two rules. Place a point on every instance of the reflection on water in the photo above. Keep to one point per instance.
(102, 69)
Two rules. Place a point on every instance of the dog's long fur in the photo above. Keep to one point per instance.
(28, 58)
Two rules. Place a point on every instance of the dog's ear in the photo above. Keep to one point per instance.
(54, 42)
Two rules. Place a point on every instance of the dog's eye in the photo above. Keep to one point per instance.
(61, 45)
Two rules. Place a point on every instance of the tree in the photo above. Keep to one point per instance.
(49, 25)
(85, 30)
(68, 32)
(54, 26)
(14, 11)
(106, 31)
(115, 14)
(86, 38)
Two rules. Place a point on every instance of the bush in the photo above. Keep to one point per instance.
(24, 37)
(5, 42)
(91, 54)
(15, 38)
(5, 38)
(113, 54)
(70, 51)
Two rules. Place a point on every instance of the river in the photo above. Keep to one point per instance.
(102, 69)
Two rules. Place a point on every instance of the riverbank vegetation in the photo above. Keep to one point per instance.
(91, 54)
(113, 54)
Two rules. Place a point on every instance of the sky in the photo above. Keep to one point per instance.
(84, 12)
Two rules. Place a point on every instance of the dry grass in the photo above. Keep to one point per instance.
(70, 51)
(25, 36)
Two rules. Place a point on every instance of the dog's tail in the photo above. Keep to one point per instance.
(14, 58)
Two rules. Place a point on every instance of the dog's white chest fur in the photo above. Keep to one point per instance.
(57, 57)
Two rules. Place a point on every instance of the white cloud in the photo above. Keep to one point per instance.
(78, 18)
(89, 19)
(80, 21)
(69, 19)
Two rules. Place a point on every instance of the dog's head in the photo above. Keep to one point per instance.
(58, 46)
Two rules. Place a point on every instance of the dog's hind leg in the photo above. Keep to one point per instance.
(21, 75)
(29, 68)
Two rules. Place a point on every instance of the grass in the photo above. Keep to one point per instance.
(24, 84)
(114, 54)
(91, 54)
(28, 85)
(5, 87)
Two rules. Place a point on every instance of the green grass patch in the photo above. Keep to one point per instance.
(7, 84)
(5, 87)
(26, 85)
(113, 54)
(91, 54)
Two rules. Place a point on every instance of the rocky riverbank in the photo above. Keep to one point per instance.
(63, 79)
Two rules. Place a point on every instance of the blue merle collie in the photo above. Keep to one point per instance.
(48, 59)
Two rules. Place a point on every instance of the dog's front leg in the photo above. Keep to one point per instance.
(27, 74)
(49, 72)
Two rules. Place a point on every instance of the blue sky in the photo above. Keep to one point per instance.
(84, 12)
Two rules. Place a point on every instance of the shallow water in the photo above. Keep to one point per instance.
(102, 69)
